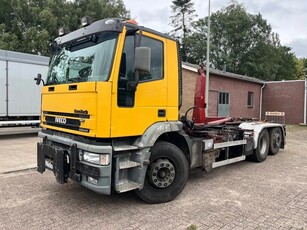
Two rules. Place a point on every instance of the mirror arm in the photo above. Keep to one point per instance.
(139, 38)
(137, 43)
(39, 79)
(137, 78)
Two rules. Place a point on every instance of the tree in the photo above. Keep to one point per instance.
(301, 68)
(29, 26)
(286, 64)
(8, 40)
(242, 43)
(181, 21)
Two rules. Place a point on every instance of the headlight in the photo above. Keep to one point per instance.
(99, 159)
(208, 144)
(91, 157)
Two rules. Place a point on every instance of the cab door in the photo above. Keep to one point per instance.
(134, 111)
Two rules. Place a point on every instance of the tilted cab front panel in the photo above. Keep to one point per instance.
(73, 108)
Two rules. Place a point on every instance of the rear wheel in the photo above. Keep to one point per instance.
(275, 140)
(262, 150)
(167, 174)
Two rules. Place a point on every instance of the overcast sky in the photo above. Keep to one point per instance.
(287, 18)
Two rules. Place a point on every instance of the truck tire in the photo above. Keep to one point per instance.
(166, 175)
(275, 140)
(262, 150)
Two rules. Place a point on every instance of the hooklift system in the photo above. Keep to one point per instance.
(110, 110)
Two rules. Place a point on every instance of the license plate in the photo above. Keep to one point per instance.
(49, 164)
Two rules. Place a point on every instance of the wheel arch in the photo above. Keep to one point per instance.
(258, 127)
(179, 140)
(166, 131)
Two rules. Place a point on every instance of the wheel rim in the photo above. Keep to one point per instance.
(263, 145)
(276, 140)
(162, 173)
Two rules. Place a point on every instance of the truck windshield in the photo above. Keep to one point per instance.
(82, 60)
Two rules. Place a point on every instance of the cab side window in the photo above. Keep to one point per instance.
(156, 64)
(125, 98)
(127, 72)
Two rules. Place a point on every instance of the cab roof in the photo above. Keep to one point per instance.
(108, 24)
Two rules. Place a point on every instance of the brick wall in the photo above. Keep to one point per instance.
(237, 89)
(238, 92)
(285, 96)
(188, 87)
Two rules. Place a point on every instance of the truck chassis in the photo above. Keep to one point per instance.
(157, 163)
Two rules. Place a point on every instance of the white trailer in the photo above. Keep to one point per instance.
(20, 98)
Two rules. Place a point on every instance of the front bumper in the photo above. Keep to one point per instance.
(64, 163)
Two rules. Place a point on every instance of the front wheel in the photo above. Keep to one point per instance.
(166, 175)
(262, 150)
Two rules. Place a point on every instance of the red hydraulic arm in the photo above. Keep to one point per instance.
(199, 114)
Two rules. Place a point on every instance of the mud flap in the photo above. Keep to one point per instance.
(249, 147)
(40, 159)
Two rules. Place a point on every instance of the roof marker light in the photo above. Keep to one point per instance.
(110, 21)
(62, 31)
(132, 21)
(86, 20)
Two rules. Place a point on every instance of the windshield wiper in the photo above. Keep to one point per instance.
(52, 83)
(72, 80)
(54, 80)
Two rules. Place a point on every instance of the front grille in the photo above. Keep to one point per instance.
(79, 115)
(61, 120)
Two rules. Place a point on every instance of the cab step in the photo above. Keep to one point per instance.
(126, 186)
(128, 164)
(130, 170)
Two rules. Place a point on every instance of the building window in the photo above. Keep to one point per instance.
(223, 98)
(250, 100)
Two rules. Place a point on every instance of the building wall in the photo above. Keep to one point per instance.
(237, 89)
(285, 96)
(238, 92)
(188, 87)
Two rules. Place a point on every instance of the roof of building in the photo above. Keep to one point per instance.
(194, 68)
(12, 56)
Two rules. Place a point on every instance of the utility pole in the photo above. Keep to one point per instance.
(305, 97)
(207, 63)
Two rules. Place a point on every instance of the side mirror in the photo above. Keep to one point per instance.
(142, 59)
(38, 79)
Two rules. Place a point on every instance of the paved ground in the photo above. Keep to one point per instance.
(271, 195)
(17, 148)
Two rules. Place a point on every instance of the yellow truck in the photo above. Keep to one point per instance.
(110, 115)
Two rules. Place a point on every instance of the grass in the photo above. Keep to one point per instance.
(192, 227)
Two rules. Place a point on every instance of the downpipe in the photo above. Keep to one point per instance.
(261, 95)
(305, 100)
